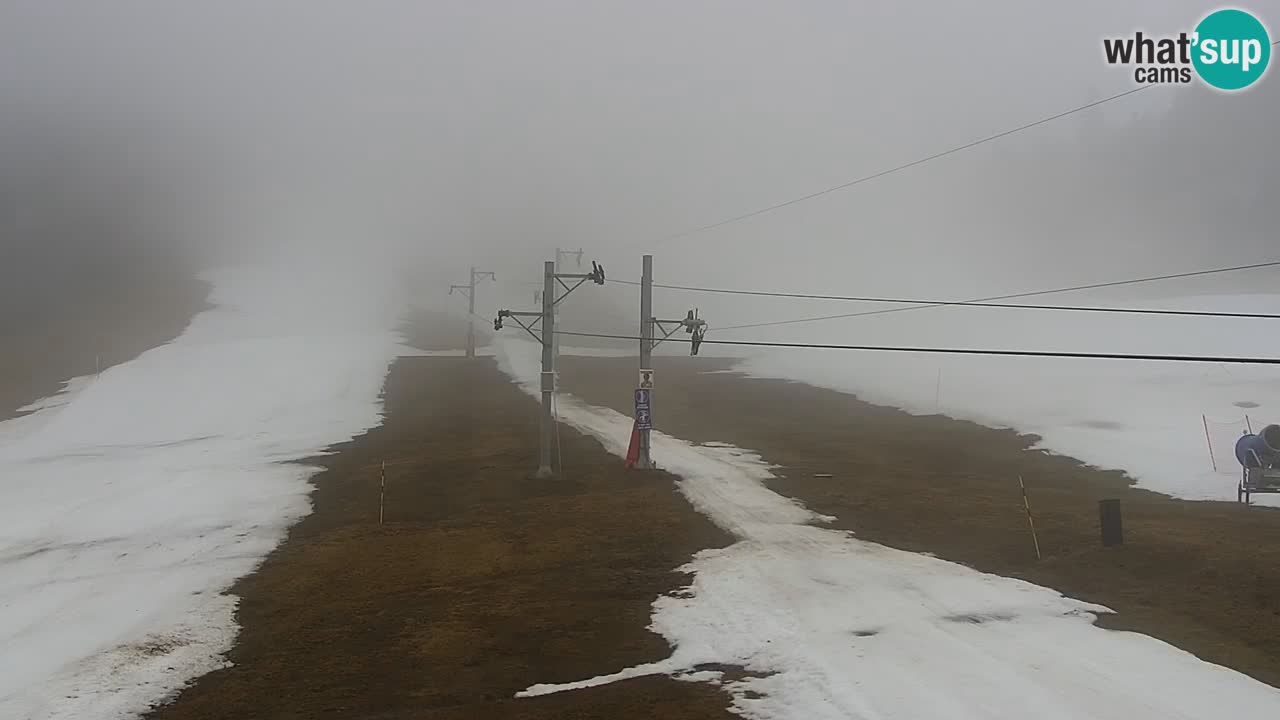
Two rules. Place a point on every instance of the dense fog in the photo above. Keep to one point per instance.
(406, 141)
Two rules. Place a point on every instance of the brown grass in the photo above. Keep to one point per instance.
(101, 328)
(1204, 576)
(481, 583)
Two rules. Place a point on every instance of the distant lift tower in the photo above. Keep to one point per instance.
(551, 297)
(469, 290)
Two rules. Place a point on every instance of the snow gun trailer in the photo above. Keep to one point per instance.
(1259, 457)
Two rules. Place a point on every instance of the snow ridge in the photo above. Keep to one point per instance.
(823, 625)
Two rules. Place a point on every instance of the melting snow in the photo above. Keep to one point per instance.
(1147, 418)
(828, 626)
(131, 502)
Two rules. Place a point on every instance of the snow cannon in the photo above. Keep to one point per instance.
(1261, 450)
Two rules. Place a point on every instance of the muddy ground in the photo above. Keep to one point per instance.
(436, 330)
(481, 582)
(1204, 576)
(90, 329)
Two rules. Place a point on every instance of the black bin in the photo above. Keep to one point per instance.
(1112, 525)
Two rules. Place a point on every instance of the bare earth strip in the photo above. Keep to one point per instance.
(91, 329)
(483, 582)
(480, 583)
(1202, 576)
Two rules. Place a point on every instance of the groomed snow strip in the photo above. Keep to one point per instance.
(131, 503)
(827, 626)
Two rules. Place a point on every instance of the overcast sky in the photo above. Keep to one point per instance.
(489, 132)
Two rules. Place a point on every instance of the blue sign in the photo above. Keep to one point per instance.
(644, 421)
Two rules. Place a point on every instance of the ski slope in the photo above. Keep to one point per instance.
(1146, 418)
(132, 501)
(827, 626)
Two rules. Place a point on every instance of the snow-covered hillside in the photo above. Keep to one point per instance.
(829, 626)
(130, 502)
(1142, 417)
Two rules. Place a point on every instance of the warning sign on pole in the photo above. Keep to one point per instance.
(644, 421)
(646, 379)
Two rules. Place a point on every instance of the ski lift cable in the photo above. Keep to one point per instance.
(896, 169)
(1237, 360)
(987, 302)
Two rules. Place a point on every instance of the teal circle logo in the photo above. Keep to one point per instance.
(1232, 49)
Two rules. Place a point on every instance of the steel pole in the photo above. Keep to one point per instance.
(645, 461)
(471, 317)
(548, 371)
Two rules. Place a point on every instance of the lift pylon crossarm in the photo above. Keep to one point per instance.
(469, 292)
(661, 325)
(547, 319)
(567, 288)
(690, 323)
(529, 328)
(596, 275)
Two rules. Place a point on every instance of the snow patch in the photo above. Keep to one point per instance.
(828, 626)
(1144, 418)
(132, 501)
